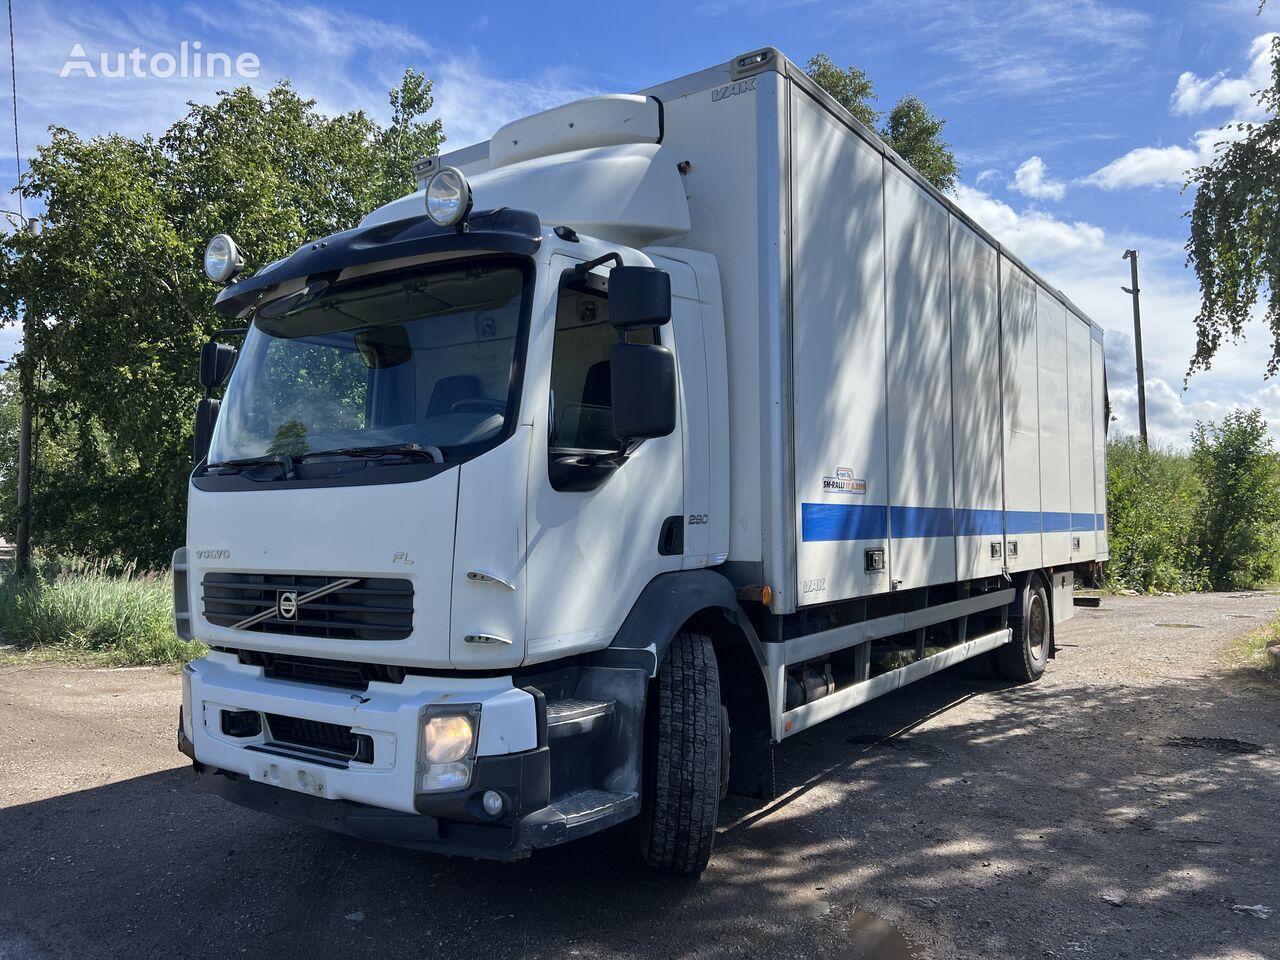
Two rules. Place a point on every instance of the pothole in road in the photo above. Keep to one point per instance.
(1217, 744)
(869, 937)
(1181, 626)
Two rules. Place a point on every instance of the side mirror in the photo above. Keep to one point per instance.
(216, 361)
(639, 297)
(206, 418)
(644, 390)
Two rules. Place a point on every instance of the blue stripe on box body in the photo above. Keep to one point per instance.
(979, 523)
(872, 521)
(921, 523)
(1055, 522)
(843, 521)
(1021, 521)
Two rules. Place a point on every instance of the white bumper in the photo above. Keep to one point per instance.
(389, 713)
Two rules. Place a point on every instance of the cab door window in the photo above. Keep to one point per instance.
(581, 397)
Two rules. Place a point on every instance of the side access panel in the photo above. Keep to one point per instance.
(975, 379)
(1080, 438)
(918, 382)
(1020, 376)
(838, 383)
(1098, 364)
(1055, 447)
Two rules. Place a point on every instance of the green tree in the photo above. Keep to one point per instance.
(119, 301)
(851, 88)
(1152, 501)
(917, 135)
(909, 128)
(1235, 223)
(1239, 513)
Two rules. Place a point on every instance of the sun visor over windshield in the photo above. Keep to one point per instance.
(496, 231)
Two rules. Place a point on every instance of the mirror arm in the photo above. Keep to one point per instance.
(582, 269)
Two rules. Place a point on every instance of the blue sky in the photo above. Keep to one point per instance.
(1073, 120)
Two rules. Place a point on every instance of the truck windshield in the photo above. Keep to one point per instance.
(425, 360)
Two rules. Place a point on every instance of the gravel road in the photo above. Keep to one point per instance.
(1124, 806)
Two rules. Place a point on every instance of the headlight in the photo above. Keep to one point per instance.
(446, 739)
(448, 197)
(448, 751)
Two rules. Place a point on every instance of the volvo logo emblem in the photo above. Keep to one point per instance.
(288, 602)
(287, 605)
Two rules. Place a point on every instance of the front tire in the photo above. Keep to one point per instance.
(683, 779)
(1025, 656)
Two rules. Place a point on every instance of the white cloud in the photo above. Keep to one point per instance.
(1173, 412)
(1163, 166)
(1168, 166)
(1146, 167)
(1195, 94)
(1031, 234)
(1031, 180)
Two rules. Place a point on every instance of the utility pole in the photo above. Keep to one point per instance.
(1132, 257)
(22, 549)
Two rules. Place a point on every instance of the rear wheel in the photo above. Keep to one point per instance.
(685, 760)
(1025, 656)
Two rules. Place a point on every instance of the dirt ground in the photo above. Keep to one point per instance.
(1125, 806)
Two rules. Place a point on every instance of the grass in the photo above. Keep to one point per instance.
(1250, 651)
(89, 613)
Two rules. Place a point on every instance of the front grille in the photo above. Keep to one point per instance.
(327, 673)
(371, 608)
(326, 738)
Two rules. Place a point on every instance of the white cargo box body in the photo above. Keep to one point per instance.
(898, 381)
(909, 405)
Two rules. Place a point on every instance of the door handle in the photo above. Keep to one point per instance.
(480, 576)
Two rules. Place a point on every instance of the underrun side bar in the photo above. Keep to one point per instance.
(790, 722)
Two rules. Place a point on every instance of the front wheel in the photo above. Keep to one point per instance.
(1024, 657)
(683, 781)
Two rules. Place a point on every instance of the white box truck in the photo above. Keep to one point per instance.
(647, 434)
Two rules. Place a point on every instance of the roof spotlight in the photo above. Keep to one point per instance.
(222, 259)
(448, 197)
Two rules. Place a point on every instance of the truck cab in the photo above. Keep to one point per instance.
(450, 459)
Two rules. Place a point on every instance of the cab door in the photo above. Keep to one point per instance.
(598, 530)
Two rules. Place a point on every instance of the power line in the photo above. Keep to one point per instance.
(13, 72)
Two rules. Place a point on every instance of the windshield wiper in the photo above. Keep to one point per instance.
(281, 460)
(405, 450)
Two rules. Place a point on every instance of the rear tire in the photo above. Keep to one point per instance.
(1025, 656)
(683, 778)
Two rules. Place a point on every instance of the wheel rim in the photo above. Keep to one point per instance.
(1037, 627)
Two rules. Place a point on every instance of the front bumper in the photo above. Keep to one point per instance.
(377, 800)
(389, 715)
(521, 776)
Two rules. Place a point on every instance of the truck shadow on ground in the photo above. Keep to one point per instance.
(998, 829)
